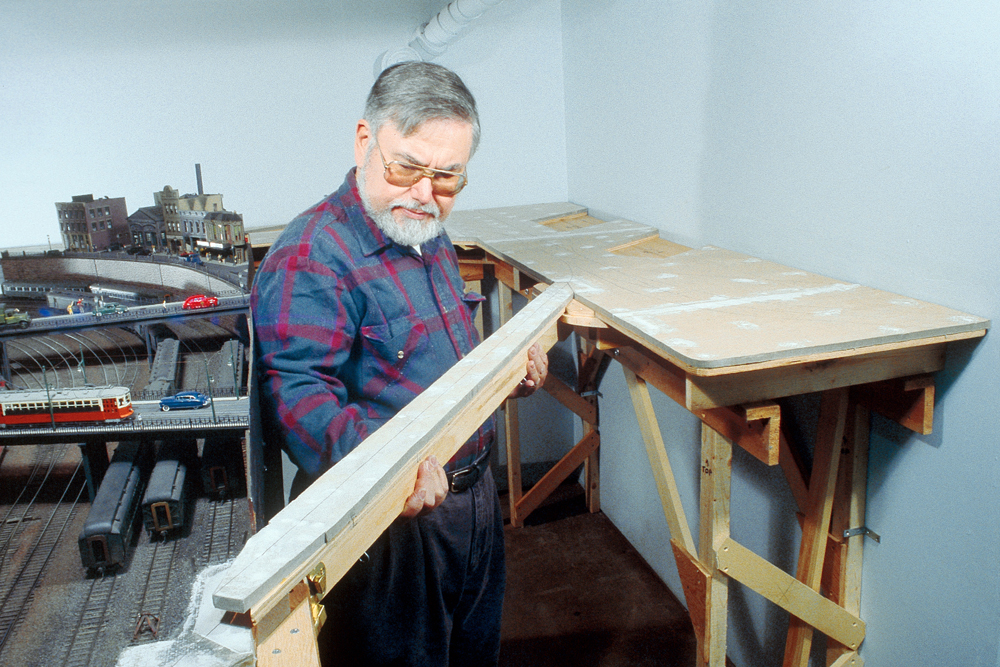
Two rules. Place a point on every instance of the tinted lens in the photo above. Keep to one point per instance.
(405, 175)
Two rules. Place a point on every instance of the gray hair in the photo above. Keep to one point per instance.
(412, 93)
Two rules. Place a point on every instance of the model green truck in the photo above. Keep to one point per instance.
(13, 316)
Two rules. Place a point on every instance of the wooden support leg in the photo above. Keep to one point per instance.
(843, 577)
(511, 422)
(592, 480)
(716, 470)
(589, 378)
(293, 642)
(816, 524)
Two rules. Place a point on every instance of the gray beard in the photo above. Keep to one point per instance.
(412, 233)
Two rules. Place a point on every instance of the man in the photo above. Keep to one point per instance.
(358, 307)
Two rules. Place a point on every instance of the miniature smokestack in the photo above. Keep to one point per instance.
(197, 172)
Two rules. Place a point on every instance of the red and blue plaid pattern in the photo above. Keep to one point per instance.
(350, 327)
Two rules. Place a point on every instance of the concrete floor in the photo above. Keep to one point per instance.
(579, 594)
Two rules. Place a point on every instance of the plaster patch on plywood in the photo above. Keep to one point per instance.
(646, 324)
(722, 301)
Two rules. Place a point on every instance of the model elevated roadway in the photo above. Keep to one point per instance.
(226, 414)
(160, 312)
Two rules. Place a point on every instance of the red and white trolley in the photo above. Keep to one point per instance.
(39, 407)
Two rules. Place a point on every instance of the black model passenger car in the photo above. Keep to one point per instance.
(107, 533)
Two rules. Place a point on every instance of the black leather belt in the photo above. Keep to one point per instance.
(463, 478)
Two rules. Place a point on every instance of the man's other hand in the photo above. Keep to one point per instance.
(536, 370)
(429, 491)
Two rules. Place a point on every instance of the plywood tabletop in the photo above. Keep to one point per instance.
(706, 307)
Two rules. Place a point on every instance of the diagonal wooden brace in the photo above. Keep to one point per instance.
(572, 460)
(793, 596)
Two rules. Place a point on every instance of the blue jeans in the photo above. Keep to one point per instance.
(429, 593)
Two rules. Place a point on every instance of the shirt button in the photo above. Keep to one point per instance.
(400, 354)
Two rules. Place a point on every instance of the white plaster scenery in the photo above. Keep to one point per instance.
(205, 641)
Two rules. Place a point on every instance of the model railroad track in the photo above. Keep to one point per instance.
(46, 457)
(218, 545)
(20, 584)
(158, 567)
(88, 626)
(109, 357)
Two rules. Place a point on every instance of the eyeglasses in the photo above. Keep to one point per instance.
(405, 175)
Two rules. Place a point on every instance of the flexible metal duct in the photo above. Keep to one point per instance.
(433, 38)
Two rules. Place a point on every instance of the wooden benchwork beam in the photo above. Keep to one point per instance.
(907, 401)
(771, 380)
(511, 276)
(471, 271)
(790, 594)
(472, 262)
(756, 427)
(343, 512)
(664, 376)
(556, 475)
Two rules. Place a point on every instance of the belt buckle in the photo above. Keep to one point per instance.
(459, 476)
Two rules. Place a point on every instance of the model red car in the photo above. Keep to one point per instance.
(200, 301)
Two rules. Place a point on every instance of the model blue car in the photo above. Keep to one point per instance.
(184, 400)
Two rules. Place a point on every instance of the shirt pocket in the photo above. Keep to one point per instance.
(394, 343)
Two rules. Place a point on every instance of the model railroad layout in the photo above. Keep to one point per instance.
(81, 580)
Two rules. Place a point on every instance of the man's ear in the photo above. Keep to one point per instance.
(362, 139)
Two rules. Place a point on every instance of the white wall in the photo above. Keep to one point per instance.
(115, 98)
(853, 139)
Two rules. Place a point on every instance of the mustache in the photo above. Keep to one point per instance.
(412, 204)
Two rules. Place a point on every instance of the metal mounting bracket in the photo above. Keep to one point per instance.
(863, 530)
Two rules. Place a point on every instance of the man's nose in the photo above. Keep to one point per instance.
(422, 190)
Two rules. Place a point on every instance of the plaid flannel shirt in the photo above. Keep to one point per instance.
(350, 327)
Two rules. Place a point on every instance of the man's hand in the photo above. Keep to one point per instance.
(429, 491)
(536, 369)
